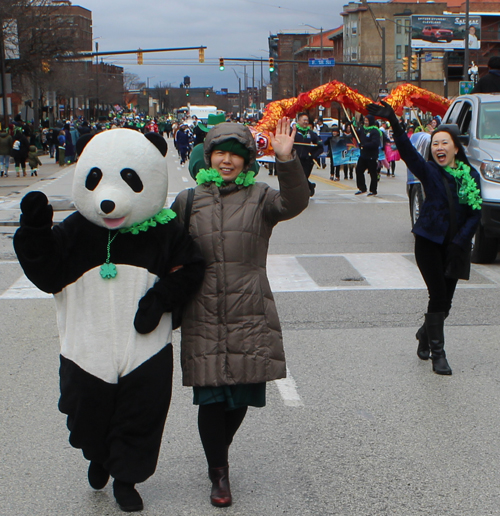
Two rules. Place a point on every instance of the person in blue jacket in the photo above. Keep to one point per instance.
(443, 232)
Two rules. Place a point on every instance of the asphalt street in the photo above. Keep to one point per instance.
(361, 427)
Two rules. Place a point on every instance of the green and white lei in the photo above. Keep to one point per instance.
(210, 175)
(162, 217)
(467, 190)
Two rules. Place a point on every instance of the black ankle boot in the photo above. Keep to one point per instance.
(98, 476)
(221, 491)
(127, 497)
(423, 349)
(434, 323)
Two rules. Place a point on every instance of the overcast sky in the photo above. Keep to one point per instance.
(228, 28)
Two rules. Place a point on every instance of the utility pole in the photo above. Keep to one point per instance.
(383, 58)
(3, 78)
(466, 42)
(409, 50)
(321, 55)
(96, 115)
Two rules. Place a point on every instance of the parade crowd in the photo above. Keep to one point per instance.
(231, 339)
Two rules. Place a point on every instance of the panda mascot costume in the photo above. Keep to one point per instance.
(117, 268)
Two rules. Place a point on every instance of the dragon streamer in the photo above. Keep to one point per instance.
(405, 95)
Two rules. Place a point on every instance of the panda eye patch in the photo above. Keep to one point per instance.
(93, 178)
(132, 179)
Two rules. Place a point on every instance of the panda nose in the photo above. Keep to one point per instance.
(107, 206)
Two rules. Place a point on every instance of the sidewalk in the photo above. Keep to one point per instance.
(55, 181)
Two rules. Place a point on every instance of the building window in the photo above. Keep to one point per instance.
(398, 52)
(354, 29)
(407, 26)
(354, 56)
(398, 26)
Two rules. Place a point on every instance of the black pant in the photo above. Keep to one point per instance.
(362, 165)
(431, 260)
(334, 170)
(119, 425)
(348, 168)
(307, 166)
(217, 427)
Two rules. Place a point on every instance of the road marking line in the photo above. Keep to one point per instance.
(382, 271)
(284, 271)
(336, 184)
(185, 179)
(386, 270)
(24, 289)
(288, 391)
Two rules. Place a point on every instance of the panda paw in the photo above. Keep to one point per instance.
(149, 313)
(36, 210)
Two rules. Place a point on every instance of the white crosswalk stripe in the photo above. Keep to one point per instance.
(377, 271)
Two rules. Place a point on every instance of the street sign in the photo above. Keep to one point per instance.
(428, 58)
(221, 92)
(327, 61)
(465, 87)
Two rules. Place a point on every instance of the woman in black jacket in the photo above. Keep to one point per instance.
(443, 232)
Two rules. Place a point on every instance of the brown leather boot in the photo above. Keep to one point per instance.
(221, 491)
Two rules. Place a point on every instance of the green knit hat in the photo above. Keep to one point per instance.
(235, 147)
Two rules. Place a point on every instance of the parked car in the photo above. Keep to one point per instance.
(436, 33)
(330, 121)
(478, 120)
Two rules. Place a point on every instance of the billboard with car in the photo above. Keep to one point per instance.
(446, 31)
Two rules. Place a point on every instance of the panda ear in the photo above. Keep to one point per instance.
(158, 141)
(82, 142)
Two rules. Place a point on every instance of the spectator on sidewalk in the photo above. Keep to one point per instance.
(6, 141)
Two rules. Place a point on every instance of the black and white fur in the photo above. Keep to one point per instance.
(116, 356)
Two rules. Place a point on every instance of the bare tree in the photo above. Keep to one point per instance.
(42, 36)
(131, 81)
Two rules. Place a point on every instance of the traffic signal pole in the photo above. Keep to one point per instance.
(3, 78)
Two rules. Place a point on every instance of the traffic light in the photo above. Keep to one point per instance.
(271, 64)
(405, 64)
(187, 92)
(166, 92)
(221, 64)
(139, 58)
(201, 55)
(414, 62)
(45, 67)
(207, 93)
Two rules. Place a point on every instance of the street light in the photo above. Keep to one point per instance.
(383, 51)
(321, 49)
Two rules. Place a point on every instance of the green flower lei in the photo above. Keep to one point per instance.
(162, 217)
(207, 175)
(303, 130)
(467, 190)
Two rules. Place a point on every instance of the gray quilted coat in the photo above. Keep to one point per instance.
(230, 331)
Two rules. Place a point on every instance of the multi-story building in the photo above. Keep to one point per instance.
(282, 48)
(374, 29)
(326, 44)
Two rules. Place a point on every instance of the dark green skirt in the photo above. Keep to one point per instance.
(234, 396)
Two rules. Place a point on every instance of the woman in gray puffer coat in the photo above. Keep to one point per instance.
(231, 336)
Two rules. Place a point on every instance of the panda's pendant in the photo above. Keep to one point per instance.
(108, 270)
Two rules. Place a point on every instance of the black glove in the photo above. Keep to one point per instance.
(149, 313)
(36, 210)
(385, 111)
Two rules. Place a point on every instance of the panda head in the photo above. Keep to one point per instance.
(120, 177)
